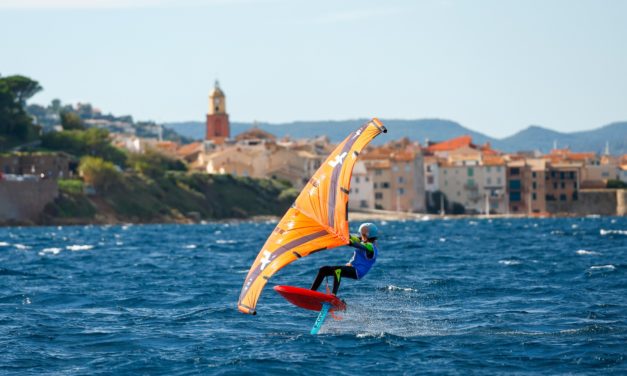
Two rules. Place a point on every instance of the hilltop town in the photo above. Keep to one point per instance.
(92, 168)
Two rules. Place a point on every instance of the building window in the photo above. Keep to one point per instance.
(429, 179)
(498, 169)
(563, 185)
(562, 175)
(378, 171)
(534, 185)
(356, 179)
(367, 179)
(395, 168)
(514, 196)
(572, 174)
(401, 180)
(407, 167)
(533, 196)
(498, 181)
(471, 171)
(401, 191)
(445, 171)
(549, 198)
(487, 169)
(562, 197)
(470, 183)
(428, 168)
(514, 184)
(574, 185)
(533, 174)
(378, 196)
(554, 185)
(489, 181)
(356, 190)
(514, 171)
(385, 185)
(575, 196)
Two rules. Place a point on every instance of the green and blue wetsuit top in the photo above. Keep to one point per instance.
(364, 257)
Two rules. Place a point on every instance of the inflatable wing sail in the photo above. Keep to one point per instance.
(317, 220)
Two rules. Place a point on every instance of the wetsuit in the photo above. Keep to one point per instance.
(364, 257)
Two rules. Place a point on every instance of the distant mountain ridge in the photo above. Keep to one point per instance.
(532, 138)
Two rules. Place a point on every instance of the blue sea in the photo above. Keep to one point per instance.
(502, 296)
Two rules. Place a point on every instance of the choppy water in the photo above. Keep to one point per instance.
(546, 296)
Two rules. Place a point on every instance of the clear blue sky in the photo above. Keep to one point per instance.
(494, 66)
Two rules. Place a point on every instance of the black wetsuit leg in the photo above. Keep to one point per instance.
(325, 271)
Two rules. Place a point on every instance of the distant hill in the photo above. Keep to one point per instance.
(531, 138)
(420, 130)
(543, 139)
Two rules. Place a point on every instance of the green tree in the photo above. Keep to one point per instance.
(154, 164)
(23, 88)
(16, 126)
(91, 142)
(101, 174)
(71, 120)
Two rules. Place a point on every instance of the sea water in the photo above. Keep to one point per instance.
(502, 296)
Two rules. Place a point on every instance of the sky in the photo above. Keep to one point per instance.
(493, 66)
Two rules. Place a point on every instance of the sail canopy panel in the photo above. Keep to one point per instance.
(317, 220)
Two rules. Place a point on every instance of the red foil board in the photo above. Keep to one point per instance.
(309, 299)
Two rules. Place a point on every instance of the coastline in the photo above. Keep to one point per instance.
(354, 216)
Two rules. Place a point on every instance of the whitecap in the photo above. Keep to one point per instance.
(26, 300)
(603, 267)
(574, 226)
(397, 288)
(190, 246)
(4, 244)
(21, 246)
(79, 247)
(222, 241)
(442, 240)
(510, 262)
(53, 251)
(610, 232)
(585, 252)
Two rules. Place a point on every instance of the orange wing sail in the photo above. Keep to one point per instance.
(317, 220)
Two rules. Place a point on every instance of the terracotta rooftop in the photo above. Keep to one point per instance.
(493, 160)
(255, 133)
(189, 148)
(452, 144)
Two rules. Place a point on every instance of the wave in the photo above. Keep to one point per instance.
(190, 246)
(79, 247)
(21, 246)
(612, 232)
(4, 244)
(222, 241)
(510, 262)
(608, 267)
(53, 251)
(585, 252)
(398, 288)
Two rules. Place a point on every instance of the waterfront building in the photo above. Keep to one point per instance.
(397, 175)
(362, 188)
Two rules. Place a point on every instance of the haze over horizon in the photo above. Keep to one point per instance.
(491, 66)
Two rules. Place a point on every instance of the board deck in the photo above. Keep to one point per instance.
(309, 299)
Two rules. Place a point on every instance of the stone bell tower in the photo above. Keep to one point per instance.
(218, 128)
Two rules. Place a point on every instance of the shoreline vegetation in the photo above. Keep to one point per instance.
(171, 197)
